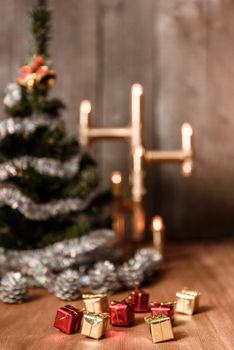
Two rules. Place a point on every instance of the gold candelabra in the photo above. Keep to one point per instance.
(139, 155)
(133, 134)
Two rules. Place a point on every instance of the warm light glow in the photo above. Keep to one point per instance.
(187, 129)
(85, 107)
(138, 160)
(116, 177)
(187, 132)
(138, 221)
(139, 151)
(137, 89)
(137, 92)
(157, 223)
(187, 167)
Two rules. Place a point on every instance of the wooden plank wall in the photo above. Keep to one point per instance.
(182, 52)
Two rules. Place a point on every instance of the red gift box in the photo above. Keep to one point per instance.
(121, 313)
(140, 300)
(68, 319)
(165, 308)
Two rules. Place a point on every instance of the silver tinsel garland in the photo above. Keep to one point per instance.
(14, 198)
(42, 267)
(13, 95)
(28, 125)
(44, 166)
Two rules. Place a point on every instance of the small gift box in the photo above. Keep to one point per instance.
(187, 301)
(68, 319)
(121, 313)
(160, 328)
(97, 303)
(165, 308)
(94, 325)
(140, 300)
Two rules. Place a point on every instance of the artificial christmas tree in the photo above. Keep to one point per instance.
(49, 187)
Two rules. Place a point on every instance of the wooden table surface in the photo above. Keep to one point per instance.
(207, 267)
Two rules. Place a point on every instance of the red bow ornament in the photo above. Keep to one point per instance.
(36, 75)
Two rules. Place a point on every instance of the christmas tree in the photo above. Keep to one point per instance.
(49, 188)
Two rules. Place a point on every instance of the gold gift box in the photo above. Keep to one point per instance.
(94, 325)
(97, 303)
(187, 301)
(160, 327)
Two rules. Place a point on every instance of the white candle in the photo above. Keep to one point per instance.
(137, 92)
(116, 182)
(138, 159)
(158, 233)
(85, 111)
(187, 133)
(187, 167)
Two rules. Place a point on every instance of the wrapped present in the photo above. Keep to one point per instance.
(121, 313)
(97, 303)
(94, 325)
(68, 319)
(140, 299)
(160, 327)
(165, 308)
(187, 301)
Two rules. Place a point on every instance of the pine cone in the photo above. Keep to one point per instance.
(13, 288)
(138, 269)
(148, 260)
(67, 285)
(130, 274)
(103, 277)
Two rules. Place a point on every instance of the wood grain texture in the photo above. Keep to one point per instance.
(74, 54)
(208, 268)
(122, 29)
(182, 52)
(193, 67)
(14, 43)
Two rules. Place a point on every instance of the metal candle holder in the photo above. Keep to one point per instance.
(134, 136)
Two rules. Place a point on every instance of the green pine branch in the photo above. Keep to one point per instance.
(41, 28)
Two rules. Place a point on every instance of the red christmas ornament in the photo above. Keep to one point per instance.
(38, 62)
(121, 313)
(36, 75)
(140, 300)
(165, 308)
(68, 319)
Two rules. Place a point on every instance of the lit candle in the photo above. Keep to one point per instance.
(116, 184)
(137, 92)
(85, 111)
(158, 229)
(138, 159)
(187, 132)
(138, 188)
(187, 167)
(136, 114)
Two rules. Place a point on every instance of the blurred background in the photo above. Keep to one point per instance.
(182, 52)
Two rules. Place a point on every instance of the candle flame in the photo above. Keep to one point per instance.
(187, 167)
(137, 89)
(116, 177)
(187, 132)
(187, 129)
(139, 151)
(85, 107)
(157, 223)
